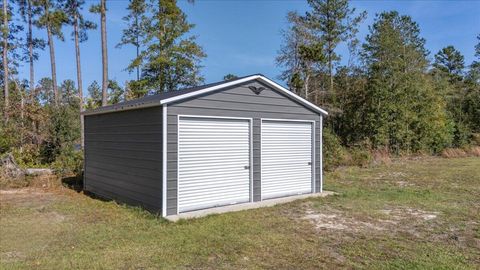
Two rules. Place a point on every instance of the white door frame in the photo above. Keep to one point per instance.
(250, 120)
(313, 148)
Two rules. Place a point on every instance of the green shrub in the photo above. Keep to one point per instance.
(68, 161)
(333, 151)
(8, 136)
(476, 139)
(360, 156)
(29, 156)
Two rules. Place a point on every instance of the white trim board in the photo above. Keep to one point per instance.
(164, 160)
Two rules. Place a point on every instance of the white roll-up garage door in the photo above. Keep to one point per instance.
(286, 158)
(213, 162)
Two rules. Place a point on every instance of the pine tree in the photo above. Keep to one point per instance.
(94, 98)
(45, 89)
(447, 72)
(52, 19)
(5, 34)
(473, 75)
(471, 103)
(451, 62)
(134, 31)
(29, 13)
(80, 27)
(69, 93)
(10, 44)
(102, 10)
(169, 60)
(332, 22)
(297, 70)
(115, 92)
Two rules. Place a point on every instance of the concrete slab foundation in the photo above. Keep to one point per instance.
(245, 206)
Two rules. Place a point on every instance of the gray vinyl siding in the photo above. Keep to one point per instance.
(123, 156)
(237, 101)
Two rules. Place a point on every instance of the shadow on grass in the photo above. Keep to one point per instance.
(76, 183)
(73, 182)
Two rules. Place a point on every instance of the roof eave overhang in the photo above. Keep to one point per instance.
(123, 108)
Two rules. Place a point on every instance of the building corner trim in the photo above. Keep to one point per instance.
(164, 159)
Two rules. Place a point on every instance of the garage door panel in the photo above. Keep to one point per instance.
(213, 162)
(286, 151)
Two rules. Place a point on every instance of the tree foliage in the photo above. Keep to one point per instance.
(451, 62)
(403, 111)
(169, 59)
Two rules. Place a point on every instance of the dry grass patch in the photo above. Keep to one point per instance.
(473, 151)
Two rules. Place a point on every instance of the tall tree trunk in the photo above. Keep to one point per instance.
(52, 65)
(330, 50)
(30, 46)
(52, 56)
(22, 114)
(5, 58)
(138, 47)
(79, 76)
(103, 23)
(307, 81)
(330, 70)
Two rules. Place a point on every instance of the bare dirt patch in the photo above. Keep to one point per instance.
(26, 197)
(12, 256)
(339, 222)
(332, 219)
(398, 214)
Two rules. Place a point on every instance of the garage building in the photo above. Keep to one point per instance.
(239, 141)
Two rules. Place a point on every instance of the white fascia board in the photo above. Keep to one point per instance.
(246, 79)
(122, 108)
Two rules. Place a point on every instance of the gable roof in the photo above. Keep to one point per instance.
(178, 95)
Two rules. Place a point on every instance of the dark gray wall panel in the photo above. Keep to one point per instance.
(237, 101)
(123, 156)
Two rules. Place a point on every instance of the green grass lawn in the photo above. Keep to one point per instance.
(420, 214)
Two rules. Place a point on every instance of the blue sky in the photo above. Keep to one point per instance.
(243, 37)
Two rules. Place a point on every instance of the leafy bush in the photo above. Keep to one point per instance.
(68, 161)
(8, 136)
(64, 131)
(29, 156)
(333, 151)
(476, 139)
(360, 155)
